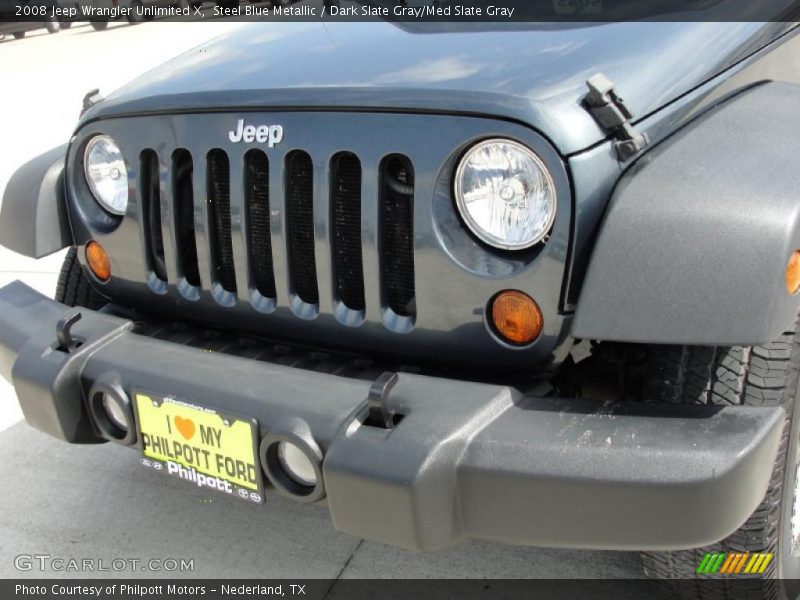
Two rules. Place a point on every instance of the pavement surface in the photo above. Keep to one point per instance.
(96, 501)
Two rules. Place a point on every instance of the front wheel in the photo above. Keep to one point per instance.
(99, 25)
(769, 541)
(52, 26)
(18, 35)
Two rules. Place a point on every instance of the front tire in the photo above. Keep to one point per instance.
(100, 25)
(18, 35)
(74, 288)
(753, 376)
(52, 26)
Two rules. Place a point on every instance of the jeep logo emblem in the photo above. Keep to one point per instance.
(269, 134)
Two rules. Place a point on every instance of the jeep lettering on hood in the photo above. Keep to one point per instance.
(269, 134)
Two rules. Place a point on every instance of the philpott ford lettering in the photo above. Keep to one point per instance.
(527, 283)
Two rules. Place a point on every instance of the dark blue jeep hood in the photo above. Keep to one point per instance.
(533, 73)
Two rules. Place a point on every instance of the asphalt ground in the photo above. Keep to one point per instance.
(97, 501)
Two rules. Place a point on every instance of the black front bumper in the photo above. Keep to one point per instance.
(467, 460)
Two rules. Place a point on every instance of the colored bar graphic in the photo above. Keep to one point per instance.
(767, 559)
(704, 564)
(718, 562)
(750, 563)
(727, 564)
(740, 564)
(734, 563)
(757, 564)
(731, 567)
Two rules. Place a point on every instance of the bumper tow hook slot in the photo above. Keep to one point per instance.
(67, 343)
(379, 413)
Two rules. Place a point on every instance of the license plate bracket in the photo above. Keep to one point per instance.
(213, 450)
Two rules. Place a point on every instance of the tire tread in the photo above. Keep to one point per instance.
(73, 287)
(764, 375)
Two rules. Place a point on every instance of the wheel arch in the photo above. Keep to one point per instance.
(33, 215)
(694, 246)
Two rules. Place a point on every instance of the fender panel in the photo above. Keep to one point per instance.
(33, 217)
(698, 233)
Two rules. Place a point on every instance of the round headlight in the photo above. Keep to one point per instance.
(505, 194)
(106, 174)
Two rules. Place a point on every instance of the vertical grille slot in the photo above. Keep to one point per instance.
(219, 219)
(259, 244)
(396, 237)
(348, 270)
(151, 213)
(300, 226)
(183, 207)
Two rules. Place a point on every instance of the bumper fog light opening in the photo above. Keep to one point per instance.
(112, 413)
(293, 465)
(296, 464)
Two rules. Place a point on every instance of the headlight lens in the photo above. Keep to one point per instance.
(505, 194)
(106, 174)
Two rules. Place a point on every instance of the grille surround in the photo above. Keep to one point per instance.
(453, 277)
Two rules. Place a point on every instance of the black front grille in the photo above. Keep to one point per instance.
(219, 216)
(259, 237)
(151, 213)
(348, 267)
(300, 220)
(183, 209)
(203, 195)
(397, 235)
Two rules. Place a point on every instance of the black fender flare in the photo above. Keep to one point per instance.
(698, 233)
(33, 215)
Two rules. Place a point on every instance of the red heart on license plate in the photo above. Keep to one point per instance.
(185, 426)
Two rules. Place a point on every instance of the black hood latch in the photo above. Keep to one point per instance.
(610, 112)
(90, 99)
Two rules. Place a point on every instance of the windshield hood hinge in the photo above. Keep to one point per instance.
(610, 112)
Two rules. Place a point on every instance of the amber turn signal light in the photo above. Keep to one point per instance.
(98, 262)
(516, 317)
(793, 273)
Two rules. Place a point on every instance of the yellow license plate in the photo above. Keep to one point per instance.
(199, 445)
